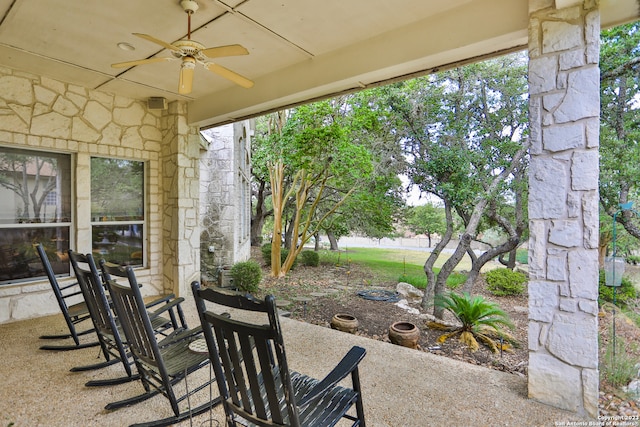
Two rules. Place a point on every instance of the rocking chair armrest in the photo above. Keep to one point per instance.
(160, 300)
(348, 364)
(179, 335)
(164, 308)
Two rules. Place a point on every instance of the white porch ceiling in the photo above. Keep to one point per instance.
(299, 49)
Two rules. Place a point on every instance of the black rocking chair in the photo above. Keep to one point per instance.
(254, 380)
(73, 313)
(110, 336)
(160, 364)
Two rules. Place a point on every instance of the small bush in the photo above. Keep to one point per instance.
(310, 258)
(625, 293)
(246, 276)
(619, 370)
(266, 253)
(504, 282)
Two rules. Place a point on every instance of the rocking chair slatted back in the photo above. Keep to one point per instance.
(73, 313)
(254, 380)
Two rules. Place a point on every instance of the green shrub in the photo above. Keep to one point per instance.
(266, 255)
(625, 293)
(504, 282)
(246, 276)
(310, 258)
(633, 259)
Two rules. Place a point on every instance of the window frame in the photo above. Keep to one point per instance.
(57, 223)
(142, 223)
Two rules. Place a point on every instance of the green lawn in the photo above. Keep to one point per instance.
(394, 264)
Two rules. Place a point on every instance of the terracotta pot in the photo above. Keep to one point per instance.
(345, 323)
(405, 334)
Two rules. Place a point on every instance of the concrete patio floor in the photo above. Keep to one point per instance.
(401, 387)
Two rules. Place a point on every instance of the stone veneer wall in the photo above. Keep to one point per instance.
(563, 205)
(225, 198)
(44, 114)
(180, 186)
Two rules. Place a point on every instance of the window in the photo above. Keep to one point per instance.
(117, 210)
(35, 207)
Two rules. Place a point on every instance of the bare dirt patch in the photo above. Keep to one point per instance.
(340, 286)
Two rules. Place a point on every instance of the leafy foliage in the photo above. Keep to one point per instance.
(427, 219)
(464, 133)
(625, 293)
(504, 282)
(310, 258)
(246, 276)
(633, 259)
(620, 122)
(481, 320)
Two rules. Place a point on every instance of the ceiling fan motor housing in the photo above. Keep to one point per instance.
(189, 6)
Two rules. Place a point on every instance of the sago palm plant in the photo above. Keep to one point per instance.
(481, 320)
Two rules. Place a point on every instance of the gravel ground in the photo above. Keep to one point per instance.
(401, 387)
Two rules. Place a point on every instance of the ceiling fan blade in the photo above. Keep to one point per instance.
(158, 41)
(186, 76)
(228, 74)
(230, 50)
(139, 62)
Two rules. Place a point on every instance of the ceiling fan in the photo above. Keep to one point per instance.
(191, 52)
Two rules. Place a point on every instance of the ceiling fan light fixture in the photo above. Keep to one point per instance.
(186, 75)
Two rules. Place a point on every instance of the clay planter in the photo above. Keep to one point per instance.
(405, 334)
(345, 323)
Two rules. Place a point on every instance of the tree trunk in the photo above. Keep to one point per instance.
(487, 256)
(288, 234)
(333, 242)
(429, 292)
(447, 269)
(510, 262)
(316, 246)
(603, 247)
(257, 220)
(276, 174)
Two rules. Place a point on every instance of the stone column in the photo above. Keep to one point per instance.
(564, 88)
(179, 211)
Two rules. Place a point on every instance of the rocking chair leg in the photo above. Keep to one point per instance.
(112, 381)
(181, 416)
(69, 347)
(131, 401)
(95, 366)
(63, 336)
